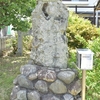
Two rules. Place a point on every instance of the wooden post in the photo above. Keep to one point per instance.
(20, 43)
(83, 83)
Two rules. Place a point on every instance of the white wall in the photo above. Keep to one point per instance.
(93, 2)
(76, 2)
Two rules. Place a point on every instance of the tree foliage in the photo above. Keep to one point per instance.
(80, 31)
(16, 12)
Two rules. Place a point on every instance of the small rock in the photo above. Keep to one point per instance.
(79, 99)
(47, 75)
(15, 81)
(32, 76)
(75, 88)
(33, 95)
(41, 86)
(68, 97)
(28, 69)
(57, 69)
(49, 97)
(66, 76)
(24, 82)
(58, 87)
(76, 71)
(14, 92)
(21, 95)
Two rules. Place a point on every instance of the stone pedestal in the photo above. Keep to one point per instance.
(41, 83)
(46, 76)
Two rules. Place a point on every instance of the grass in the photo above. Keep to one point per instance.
(9, 69)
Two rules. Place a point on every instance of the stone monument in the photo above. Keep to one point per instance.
(46, 76)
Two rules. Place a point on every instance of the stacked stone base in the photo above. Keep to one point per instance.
(42, 83)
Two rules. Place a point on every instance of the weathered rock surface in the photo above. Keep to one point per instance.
(28, 69)
(66, 76)
(49, 97)
(75, 88)
(41, 86)
(49, 46)
(21, 95)
(68, 97)
(41, 81)
(14, 92)
(33, 95)
(58, 87)
(24, 82)
(47, 75)
(15, 81)
(32, 76)
(79, 99)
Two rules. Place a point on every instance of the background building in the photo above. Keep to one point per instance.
(85, 8)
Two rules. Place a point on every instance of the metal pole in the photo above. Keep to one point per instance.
(83, 83)
(96, 18)
(76, 9)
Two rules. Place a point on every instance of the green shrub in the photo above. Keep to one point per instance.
(80, 31)
(14, 43)
(95, 45)
(27, 43)
(93, 76)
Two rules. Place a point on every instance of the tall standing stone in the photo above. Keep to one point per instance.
(46, 76)
(49, 47)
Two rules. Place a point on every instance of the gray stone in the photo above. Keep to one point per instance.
(30, 62)
(49, 97)
(24, 82)
(28, 69)
(41, 86)
(68, 97)
(79, 99)
(14, 92)
(58, 87)
(15, 81)
(66, 76)
(49, 47)
(76, 71)
(47, 75)
(32, 76)
(75, 88)
(33, 95)
(21, 95)
(57, 70)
